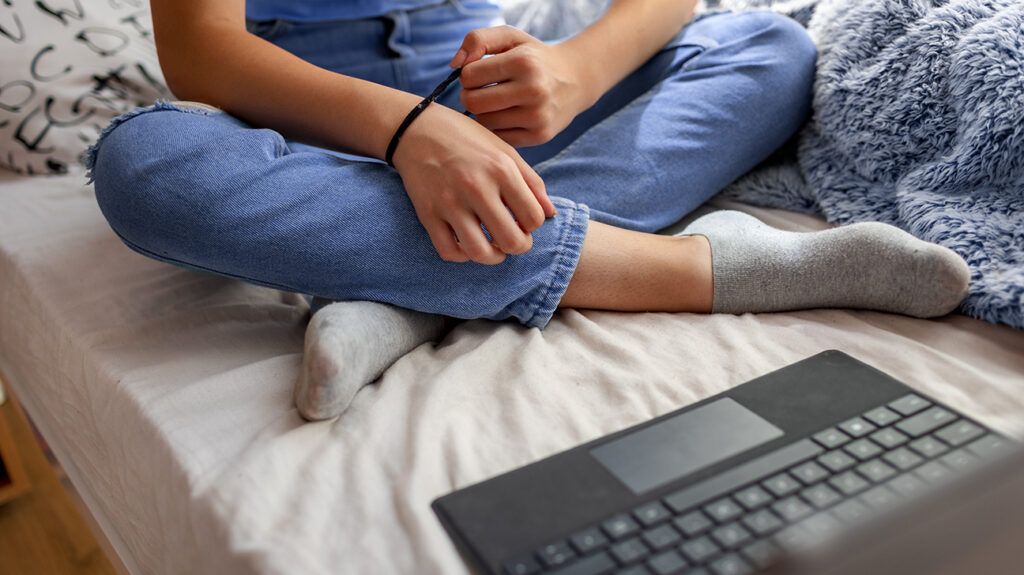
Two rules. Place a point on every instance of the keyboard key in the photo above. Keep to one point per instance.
(989, 446)
(668, 563)
(881, 416)
(926, 421)
(889, 438)
(793, 539)
(791, 509)
(700, 549)
(837, 461)
(902, 458)
(831, 438)
(851, 511)
(933, 472)
(661, 537)
(723, 510)
(630, 550)
(929, 447)
(740, 475)
(849, 483)
(781, 485)
(959, 433)
(753, 497)
(819, 528)
(731, 564)
(907, 485)
(620, 526)
(876, 470)
(637, 570)
(909, 404)
(522, 566)
(651, 513)
(960, 459)
(762, 554)
(809, 472)
(820, 496)
(555, 554)
(880, 497)
(587, 540)
(692, 523)
(822, 525)
(599, 564)
(863, 449)
(762, 522)
(857, 427)
(731, 535)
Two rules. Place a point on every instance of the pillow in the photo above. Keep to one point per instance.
(67, 67)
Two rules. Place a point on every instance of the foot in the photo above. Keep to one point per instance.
(349, 345)
(874, 266)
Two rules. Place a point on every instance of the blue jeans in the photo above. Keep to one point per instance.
(205, 191)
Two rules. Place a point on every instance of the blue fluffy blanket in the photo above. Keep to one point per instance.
(918, 122)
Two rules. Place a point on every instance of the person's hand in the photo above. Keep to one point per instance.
(528, 91)
(458, 176)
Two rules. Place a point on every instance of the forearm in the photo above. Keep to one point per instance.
(221, 64)
(626, 36)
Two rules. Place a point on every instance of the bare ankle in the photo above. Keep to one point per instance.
(695, 274)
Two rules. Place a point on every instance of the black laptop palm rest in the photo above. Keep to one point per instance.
(724, 486)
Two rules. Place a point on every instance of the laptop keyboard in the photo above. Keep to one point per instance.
(795, 497)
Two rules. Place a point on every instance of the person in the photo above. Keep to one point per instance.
(545, 196)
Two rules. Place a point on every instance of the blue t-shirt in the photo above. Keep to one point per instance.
(321, 10)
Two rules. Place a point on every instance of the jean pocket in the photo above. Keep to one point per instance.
(267, 29)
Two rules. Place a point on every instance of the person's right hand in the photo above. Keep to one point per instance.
(460, 175)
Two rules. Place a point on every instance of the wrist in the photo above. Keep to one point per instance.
(417, 138)
(589, 77)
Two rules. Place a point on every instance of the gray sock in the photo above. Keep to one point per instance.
(873, 266)
(349, 344)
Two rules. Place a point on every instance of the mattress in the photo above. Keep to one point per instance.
(166, 394)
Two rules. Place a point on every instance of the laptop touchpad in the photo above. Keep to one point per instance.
(659, 453)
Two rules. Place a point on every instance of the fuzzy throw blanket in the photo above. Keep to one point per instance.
(918, 122)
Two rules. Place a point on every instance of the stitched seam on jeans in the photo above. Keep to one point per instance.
(570, 245)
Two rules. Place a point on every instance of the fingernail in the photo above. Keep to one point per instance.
(457, 60)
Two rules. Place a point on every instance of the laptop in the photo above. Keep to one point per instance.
(730, 485)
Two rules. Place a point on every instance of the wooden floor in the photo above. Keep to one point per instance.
(42, 531)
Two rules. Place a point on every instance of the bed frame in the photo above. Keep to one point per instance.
(106, 537)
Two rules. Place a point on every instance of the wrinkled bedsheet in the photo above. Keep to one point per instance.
(167, 395)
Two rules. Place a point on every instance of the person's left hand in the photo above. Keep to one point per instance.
(527, 91)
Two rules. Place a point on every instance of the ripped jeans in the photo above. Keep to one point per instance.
(203, 190)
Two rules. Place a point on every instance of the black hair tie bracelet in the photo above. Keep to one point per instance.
(393, 145)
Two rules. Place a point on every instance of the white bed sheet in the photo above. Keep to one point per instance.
(167, 393)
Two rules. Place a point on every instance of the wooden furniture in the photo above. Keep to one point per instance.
(13, 477)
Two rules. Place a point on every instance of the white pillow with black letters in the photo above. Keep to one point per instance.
(67, 67)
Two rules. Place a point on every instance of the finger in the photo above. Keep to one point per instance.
(483, 41)
(473, 241)
(537, 186)
(520, 137)
(443, 238)
(524, 205)
(497, 97)
(507, 119)
(507, 234)
(489, 71)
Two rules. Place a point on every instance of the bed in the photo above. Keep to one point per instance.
(166, 394)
